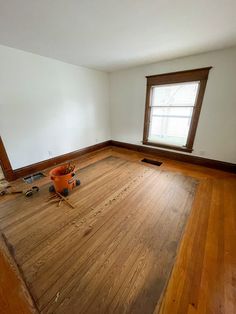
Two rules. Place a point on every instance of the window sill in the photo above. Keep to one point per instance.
(173, 147)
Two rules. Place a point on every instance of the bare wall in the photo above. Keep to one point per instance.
(49, 108)
(216, 131)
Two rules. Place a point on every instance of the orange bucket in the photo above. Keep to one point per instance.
(63, 183)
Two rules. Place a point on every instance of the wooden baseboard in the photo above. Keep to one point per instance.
(11, 174)
(210, 163)
(27, 170)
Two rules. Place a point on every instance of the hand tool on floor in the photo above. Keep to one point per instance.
(9, 191)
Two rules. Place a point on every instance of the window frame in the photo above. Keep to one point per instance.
(200, 75)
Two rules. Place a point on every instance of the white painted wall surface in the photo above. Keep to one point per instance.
(216, 133)
(49, 108)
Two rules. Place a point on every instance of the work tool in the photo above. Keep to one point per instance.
(8, 190)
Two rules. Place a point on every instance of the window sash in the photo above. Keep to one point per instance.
(196, 75)
(172, 106)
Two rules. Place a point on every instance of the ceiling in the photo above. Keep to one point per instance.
(116, 34)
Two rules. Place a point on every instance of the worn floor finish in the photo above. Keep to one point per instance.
(114, 252)
(203, 277)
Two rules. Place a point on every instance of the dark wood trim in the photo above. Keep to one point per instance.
(27, 170)
(196, 114)
(210, 163)
(170, 78)
(178, 77)
(21, 172)
(147, 115)
(180, 148)
(5, 163)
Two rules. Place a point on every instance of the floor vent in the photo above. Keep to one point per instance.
(36, 176)
(153, 162)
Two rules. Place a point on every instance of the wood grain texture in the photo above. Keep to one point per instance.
(203, 278)
(205, 162)
(180, 76)
(14, 296)
(112, 253)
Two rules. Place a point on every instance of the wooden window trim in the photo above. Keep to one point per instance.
(200, 75)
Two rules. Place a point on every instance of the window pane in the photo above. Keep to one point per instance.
(183, 94)
(172, 111)
(169, 130)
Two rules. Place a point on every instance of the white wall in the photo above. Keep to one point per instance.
(49, 108)
(216, 133)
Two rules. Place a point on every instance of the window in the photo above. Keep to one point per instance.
(173, 104)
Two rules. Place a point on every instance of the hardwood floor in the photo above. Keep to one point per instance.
(14, 296)
(119, 241)
(203, 278)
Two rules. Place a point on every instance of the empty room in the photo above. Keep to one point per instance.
(118, 157)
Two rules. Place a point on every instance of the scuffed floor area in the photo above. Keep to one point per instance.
(114, 251)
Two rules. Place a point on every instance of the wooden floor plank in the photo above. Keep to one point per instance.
(14, 296)
(197, 227)
(123, 252)
(95, 218)
(106, 256)
(142, 274)
(121, 228)
(131, 212)
(25, 240)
